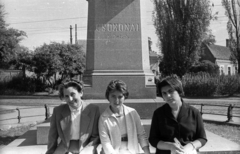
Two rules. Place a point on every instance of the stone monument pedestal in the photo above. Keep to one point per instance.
(140, 85)
(117, 48)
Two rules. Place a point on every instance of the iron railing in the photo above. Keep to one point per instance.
(19, 115)
(229, 112)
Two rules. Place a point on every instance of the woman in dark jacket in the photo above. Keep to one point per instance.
(177, 127)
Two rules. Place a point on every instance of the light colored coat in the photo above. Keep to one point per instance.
(60, 127)
(110, 133)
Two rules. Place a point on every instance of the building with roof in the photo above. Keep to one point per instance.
(221, 56)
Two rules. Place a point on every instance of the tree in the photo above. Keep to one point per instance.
(22, 59)
(180, 26)
(209, 38)
(58, 59)
(232, 11)
(9, 40)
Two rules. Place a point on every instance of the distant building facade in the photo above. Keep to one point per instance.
(221, 56)
(154, 62)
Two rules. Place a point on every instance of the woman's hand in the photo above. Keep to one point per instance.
(189, 149)
(176, 148)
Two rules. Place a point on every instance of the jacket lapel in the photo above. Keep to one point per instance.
(66, 124)
(183, 111)
(84, 122)
(131, 130)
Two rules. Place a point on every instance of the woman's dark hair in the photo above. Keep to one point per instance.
(118, 85)
(78, 85)
(172, 81)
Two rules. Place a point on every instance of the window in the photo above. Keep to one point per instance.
(236, 70)
(221, 70)
(229, 70)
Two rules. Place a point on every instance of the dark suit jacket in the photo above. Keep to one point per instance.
(60, 127)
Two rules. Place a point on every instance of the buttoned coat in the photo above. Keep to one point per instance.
(60, 127)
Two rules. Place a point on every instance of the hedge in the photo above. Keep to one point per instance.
(205, 85)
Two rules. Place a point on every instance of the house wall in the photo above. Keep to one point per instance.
(226, 67)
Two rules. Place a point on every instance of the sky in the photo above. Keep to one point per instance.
(47, 21)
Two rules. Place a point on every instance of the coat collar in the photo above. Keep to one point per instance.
(108, 112)
(183, 110)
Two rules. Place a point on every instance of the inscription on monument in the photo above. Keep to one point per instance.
(117, 27)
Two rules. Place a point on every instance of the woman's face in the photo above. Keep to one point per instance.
(116, 100)
(170, 95)
(72, 97)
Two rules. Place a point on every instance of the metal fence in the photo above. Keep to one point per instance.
(228, 113)
(20, 110)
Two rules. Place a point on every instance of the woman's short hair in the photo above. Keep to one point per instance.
(172, 81)
(78, 85)
(118, 85)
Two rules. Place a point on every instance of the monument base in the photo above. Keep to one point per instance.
(140, 84)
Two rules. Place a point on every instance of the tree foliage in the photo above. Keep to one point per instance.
(9, 40)
(232, 11)
(180, 26)
(55, 59)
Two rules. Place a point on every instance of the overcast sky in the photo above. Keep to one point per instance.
(49, 20)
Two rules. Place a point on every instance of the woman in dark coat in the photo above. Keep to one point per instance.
(177, 127)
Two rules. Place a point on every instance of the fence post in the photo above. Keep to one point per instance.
(229, 113)
(19, 116)
(47, 112)
(201, 109)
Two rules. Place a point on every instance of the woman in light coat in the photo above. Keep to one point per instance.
(120, 128)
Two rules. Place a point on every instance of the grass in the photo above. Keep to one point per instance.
(229, 132)
(5, 111)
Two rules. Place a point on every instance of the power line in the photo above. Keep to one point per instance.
(46, 20)
(46, 32)
(50, 32)
(51, 28)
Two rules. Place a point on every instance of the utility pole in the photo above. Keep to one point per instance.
(70, 34)
(76, 42)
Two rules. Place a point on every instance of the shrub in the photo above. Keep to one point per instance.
(228, 84)
(19, 85)
(205, 66)
(199, 84)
